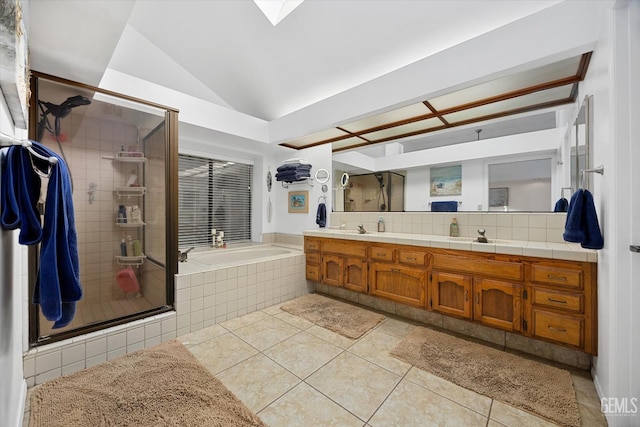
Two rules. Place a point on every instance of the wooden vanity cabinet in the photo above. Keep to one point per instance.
(562, 303)
(312, 254)
(451, 293)
(546, 299)
(344, 264)
(398, 273)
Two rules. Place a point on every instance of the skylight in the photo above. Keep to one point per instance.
(277, 10)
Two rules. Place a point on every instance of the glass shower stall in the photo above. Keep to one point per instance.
(121, 154)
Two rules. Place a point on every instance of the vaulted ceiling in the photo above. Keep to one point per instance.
(229, 54)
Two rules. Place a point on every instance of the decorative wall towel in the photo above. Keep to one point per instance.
(561, 205)
(57, 286)
(451, 206)
(582, 225)
(321, 215)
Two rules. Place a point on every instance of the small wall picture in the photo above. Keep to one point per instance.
(446, 181)
(498, 196)
(298, 201)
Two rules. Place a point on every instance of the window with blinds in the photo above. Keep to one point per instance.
(213, 194)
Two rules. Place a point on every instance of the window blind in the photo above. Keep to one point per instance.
(213, 194)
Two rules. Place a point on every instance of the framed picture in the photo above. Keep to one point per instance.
(498, 197)
(446, 181)
(298, 201)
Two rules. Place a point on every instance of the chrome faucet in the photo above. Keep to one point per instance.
(361, 229)
(481, 237)
(182, 256)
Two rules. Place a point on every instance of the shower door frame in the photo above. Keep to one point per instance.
(171, 212)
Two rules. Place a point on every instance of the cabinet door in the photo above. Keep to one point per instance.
(398, 283)
(498, 304)
(451, 294)
(355, 274)
(332, 270)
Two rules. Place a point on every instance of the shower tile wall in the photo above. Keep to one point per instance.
(88, 139)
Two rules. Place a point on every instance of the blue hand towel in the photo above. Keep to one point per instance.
(593, 237)
(321, 215)
(573, 231)
(20, 193)
(451, 206)
(561, 205)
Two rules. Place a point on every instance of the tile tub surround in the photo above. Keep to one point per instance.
(202, 299)
(534, 227)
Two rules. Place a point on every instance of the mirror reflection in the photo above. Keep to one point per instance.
(522, 164)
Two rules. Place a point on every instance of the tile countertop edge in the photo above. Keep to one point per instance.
(561, 251)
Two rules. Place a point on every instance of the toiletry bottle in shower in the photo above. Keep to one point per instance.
(137, 248)
(123, 248)
(454, 231)
(380, 225)
(122, 215)
(129, 246)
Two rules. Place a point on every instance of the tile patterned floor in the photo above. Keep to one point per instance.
(293, 373)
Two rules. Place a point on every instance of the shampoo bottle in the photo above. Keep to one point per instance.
(123, 248)
(137, 248)
(453, 228)
(380, 225)
(129, 246)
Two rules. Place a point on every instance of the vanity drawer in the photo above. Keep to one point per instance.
(555, 299)
(313, 272)
(313, 258)
(381, 254)
(551, 275)
(345, 248)
(311, 245)
(558, 327)
(411, 257)
(484, 266)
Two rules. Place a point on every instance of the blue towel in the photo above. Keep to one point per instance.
(573, 231)
(451, 206)
(294, 167)
(321, 215)
(593, 236)
(20, 193)
(582, 225)
(57, 286)
(561, 205)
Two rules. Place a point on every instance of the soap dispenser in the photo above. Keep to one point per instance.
(380, 225)
(453, 228)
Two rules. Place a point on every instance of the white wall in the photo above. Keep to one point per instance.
(612, 79)
(13, 387)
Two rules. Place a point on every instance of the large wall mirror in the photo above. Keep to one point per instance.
(521, 164)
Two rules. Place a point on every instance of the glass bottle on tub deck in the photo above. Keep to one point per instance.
(380, 225)
(454, 230)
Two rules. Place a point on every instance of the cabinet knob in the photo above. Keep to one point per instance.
(466, 295)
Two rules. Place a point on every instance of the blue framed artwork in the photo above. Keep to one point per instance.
(298, 201)
(446, 181)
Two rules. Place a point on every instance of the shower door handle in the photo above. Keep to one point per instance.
(634, 248)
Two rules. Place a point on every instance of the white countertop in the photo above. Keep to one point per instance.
(563, 250)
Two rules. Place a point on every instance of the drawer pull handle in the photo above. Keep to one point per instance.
(553, 277)
(410, 259)
(466, 295)
(381, 255)
(553, 328)
(559, 301)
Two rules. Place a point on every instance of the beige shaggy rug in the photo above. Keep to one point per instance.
(541, 389)
(160, 386)
(344, 319)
